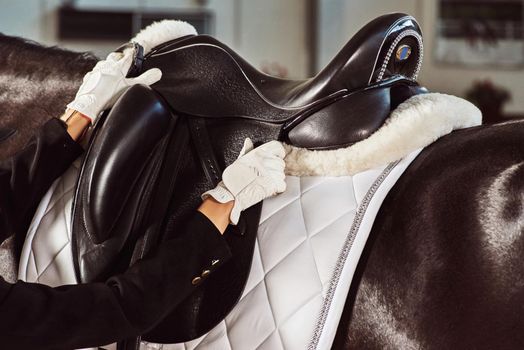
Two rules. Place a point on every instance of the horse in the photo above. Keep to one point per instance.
(442, 268)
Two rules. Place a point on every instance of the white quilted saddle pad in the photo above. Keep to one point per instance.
(308, 244)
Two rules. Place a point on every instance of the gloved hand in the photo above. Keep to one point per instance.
(255, 175)
(106, 82)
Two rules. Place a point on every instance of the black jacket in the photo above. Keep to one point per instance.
(35, 316)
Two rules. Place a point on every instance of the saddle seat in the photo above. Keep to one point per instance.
(212, 81)
(356, 66)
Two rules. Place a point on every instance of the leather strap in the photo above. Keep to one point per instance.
(200, 138)
(209, 163)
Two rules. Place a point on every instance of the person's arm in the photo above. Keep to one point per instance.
(217, 212)
(36, 316)
(25, 177)
(76, 122)
(132, 303)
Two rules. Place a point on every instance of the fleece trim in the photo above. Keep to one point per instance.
(162, 31)
(414, 124)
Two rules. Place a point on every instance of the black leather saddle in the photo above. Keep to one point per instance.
(131, 195)
(374, 70)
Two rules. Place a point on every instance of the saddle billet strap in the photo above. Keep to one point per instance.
(206, 155)
(129, 344)
(200, 138)
(155, 222)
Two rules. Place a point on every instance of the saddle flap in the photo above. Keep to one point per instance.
(117, 177)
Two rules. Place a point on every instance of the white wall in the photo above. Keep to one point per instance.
(274, 31)
(341, 19)
(262, 31)
(457, 80)
(21, 18)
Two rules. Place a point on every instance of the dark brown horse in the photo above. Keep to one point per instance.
(443, 268)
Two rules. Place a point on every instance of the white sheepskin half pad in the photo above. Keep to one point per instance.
(414, 124)
(162, 31)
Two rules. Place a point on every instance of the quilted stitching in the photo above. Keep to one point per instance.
(298, 240)
(48, 244)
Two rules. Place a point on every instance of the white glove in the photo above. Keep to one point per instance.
(256, 174)
(107, 81)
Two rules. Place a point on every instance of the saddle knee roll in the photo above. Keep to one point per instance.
(117, 179)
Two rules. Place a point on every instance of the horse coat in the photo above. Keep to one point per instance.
(442, 267)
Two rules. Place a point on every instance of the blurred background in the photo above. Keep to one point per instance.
(473, 49)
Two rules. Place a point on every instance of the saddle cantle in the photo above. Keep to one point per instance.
(133, 195)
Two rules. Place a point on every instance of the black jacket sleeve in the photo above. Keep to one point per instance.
(25, 177)
(35, 316)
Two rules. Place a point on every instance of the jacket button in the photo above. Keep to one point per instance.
(196, 280)
(205, 273)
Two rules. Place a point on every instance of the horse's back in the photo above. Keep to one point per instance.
(443, 267)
